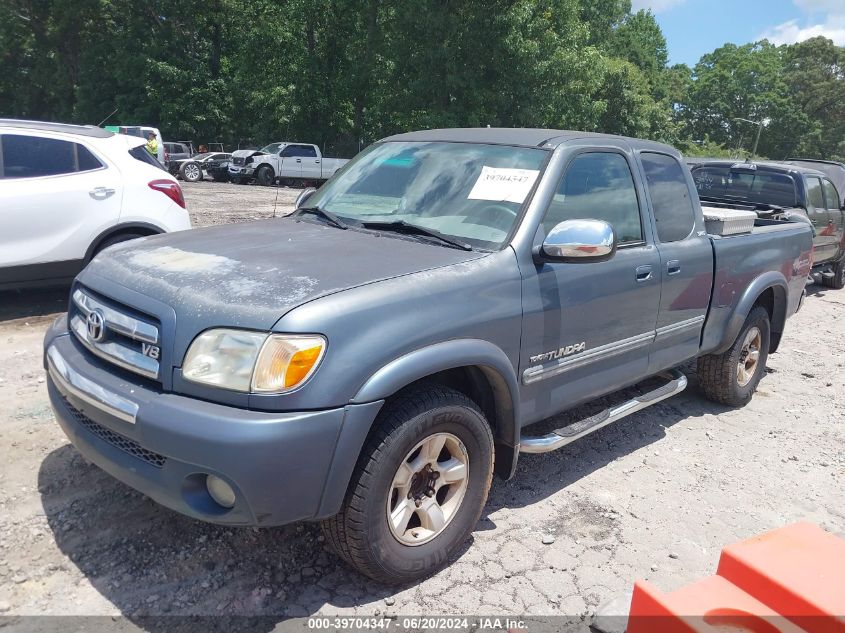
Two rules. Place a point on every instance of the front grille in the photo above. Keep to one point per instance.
(117, 440)
(116, 334)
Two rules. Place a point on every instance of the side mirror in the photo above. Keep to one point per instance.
(578, 241)
(302, 198)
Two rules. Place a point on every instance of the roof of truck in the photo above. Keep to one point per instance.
(66, 128)
(762, 164)
(521, 137)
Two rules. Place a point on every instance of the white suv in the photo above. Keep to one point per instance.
(69, 191)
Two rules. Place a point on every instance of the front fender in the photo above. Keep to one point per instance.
(734, 322)
(432, 359)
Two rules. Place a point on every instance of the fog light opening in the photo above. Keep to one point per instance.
(220, 491)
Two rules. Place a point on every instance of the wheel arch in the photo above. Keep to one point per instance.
(770, 291)
(140, 228)
(477, 368)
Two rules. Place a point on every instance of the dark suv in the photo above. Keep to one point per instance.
(779, 188)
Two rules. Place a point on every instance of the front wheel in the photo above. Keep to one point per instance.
(732, 377)
(837, 282)
(265, 175)
(418, 489)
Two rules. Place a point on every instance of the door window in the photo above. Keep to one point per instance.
(670, 199)
(815, 198)
(831, 196)
(34, 156)
(298, 151)
(598, 186)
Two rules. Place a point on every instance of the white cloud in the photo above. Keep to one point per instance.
(831, 25)
(790, 32)
(658, 6)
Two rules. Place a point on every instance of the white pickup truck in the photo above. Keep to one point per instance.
(288, 163)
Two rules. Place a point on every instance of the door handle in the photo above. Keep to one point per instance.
(316, 162)
(673, 267)
(101, 193)
(298, 160)
(643, 273)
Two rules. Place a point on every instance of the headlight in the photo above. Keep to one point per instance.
(242, 361)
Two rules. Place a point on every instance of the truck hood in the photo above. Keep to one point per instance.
(249, 275)
(245, 153)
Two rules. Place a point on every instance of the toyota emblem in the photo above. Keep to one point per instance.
(96, 325)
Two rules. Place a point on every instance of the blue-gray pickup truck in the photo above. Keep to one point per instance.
(373, 359)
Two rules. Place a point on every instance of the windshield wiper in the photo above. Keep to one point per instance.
(328, 215)
(400, 226)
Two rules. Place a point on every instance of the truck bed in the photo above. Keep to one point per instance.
(772, 248)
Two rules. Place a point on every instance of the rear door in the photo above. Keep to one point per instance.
(686, 261)
(311, 164)
(56, 195)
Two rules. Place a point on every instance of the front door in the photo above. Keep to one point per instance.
(826, 241)
(290, 165)
(593, 324)
(686, 261)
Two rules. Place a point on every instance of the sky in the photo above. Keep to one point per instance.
(695, 27)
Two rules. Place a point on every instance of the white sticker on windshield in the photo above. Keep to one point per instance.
(503, 185)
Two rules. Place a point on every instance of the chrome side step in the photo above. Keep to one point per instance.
(677, 382)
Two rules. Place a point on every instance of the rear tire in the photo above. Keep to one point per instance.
(191, 171)
(837, 282)
(732, 377)
(116, 239)
(431, 445)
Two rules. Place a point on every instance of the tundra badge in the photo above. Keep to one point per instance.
(560, 353)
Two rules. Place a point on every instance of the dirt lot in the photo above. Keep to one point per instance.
(655, 496)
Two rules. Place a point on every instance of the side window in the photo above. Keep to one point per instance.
(308, 151)
(598, 186)
(34, 156)
(288, 151)
(831, 196)
(815, 198)
(85, 159)
(667, 186)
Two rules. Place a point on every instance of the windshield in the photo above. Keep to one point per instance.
(471, 192)
(272, 148)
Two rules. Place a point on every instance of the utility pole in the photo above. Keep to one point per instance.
(760, 125)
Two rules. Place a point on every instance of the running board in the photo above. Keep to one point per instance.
(677, 382)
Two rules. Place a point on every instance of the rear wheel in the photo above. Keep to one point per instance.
(732, 377)
(116, 239)
(418, 489)
(191, 172)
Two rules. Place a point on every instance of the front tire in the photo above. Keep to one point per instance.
(418, 489)
(732, 377)
(837, 282)
(265, 175)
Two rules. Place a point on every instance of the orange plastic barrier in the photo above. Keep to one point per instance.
(790, 580)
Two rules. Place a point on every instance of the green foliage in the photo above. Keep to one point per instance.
(343, 73)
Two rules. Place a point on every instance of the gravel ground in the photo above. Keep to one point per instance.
(655, 496)
(221, 203)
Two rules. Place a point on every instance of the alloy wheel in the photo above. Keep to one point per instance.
(428, 489)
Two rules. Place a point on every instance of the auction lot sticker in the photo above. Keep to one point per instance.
(502, 184)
